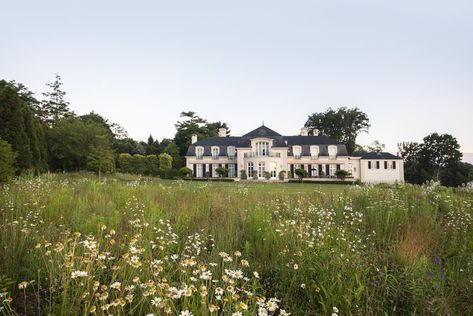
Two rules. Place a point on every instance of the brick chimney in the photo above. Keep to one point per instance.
(194, 138)
(316, 132)
(304, 131)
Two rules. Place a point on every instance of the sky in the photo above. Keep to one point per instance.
(407, 64)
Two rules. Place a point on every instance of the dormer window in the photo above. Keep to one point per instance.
(199, 152)
(215, 152)
(314, 152)
(231, 151)
(332, 152)
(297, 152)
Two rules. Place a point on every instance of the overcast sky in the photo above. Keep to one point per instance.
(407, 64)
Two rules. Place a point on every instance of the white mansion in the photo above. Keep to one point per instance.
(264, 150)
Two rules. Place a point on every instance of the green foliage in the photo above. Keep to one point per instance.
(342, 174)
(152, 165)
(243, 175)
(124, 163)
(301, 173)
(255, 174)
(342, 124)
(222, 172)
(21, 128)
(101, 161)
(138, 164)
(427, 161)
(376, 146)
(72, 140)
(193, 124)
(7, 160)
(165, 161)
(185, 172)
(54, 108)
(173, 151)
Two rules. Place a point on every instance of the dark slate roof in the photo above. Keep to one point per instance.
(262, 131)
(278, 141)
(379, 155)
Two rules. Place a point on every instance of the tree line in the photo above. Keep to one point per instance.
(45, 135)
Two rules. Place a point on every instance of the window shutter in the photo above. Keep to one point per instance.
(211, 166)
(320, 168)
(394, 164)
(203, 170)
(385, 165)
(292, 170)
(195, 170)
(310, 170)
(327, 170)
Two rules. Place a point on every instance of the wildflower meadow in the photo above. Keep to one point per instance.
(74, 245)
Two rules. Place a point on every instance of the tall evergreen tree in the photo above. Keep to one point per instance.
(20, 126)
(54, 107)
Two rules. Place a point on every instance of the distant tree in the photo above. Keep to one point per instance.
(301, 173)
(173, 151)
(194, 124)
(343, 124)
(376, 146)
(72, 140)
(456, 174)
(20, 127)
(359, 151)
(101, 160)
(222, 172)
(440, 151)
(7, 161)
(152, 146)
(54, 107)
(165, 161)
(138, 164)
(124, 162)
(152, 165)
(342, 174)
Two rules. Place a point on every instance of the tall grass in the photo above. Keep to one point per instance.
(73, 245)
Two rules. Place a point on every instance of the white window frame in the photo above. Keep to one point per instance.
(314, 152)
(332, 152)
(249, 169)
(261, 169)
(231, 170)
(214, 168)
(262, 148)
(297, 151)
(199, 170)
(215, 152)
(231, 151)
(199, 152)
(333, 169)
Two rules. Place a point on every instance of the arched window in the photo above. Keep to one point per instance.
(261, 169)
(250, 169)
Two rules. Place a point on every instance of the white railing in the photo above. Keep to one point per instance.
(257, 154)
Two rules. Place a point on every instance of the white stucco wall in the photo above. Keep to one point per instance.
(381, 175)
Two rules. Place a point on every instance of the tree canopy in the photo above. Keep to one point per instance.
(342, 124)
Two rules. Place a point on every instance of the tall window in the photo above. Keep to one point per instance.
(296, 151)
(261, 169)
(273, 170)
(314, 151)
(199, 171)
(377, 165)
(262, 148)
(333, 169)
(215, 152)
(231, 170)
(199, 152)
(231, 151)
(385, 165)
(394, 164)
(214, 170)
(250, 169)
(369, 164)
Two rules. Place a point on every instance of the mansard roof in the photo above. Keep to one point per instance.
(278, 141)
(379, 155)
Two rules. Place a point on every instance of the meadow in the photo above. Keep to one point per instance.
(74, 245)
